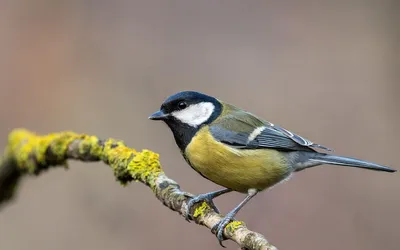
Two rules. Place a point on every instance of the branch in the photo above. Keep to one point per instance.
(30, 154)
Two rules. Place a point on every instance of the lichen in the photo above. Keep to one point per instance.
(34, 153)
(201, 210)
(145, 167)
(96, 148)
(234, 225)
(20, 145)
(58, 145)
(27, 152)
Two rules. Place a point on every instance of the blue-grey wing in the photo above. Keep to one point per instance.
(298, 139)
(253, 135)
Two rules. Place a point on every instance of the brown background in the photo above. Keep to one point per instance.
(328, 71)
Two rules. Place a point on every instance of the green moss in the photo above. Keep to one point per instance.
(200, 211)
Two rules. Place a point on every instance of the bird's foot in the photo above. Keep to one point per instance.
(218, 229)
(202, 197)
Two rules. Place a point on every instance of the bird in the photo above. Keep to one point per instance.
(238, 150)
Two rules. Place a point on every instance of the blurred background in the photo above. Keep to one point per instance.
(327, 71)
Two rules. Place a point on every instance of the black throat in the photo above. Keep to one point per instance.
(183, 133)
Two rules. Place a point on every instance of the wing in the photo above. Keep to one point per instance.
(244, 130)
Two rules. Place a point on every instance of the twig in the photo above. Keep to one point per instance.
(28, 153)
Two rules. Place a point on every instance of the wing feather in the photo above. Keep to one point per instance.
(235, 129)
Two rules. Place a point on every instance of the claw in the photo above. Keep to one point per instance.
(200, 198)
(213, 206)
(219, 227)
(208, 197)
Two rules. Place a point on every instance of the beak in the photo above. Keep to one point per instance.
(159, 115)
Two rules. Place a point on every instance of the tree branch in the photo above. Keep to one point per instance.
(30, 154)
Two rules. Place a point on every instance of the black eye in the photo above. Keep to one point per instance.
(182, 105)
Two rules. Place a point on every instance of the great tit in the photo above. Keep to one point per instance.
(239, 151)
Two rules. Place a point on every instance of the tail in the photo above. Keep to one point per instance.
(308, 159)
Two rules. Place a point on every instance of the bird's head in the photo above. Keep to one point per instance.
(188, 108)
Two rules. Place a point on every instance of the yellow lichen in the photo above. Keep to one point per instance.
(200, 211)
(145, 167)
(31, 153)
(96, 149)
(21, 145)
(234, 225)
(19, 141)
(111, 150)
(43, 144)
(59, 143)
(30, 150)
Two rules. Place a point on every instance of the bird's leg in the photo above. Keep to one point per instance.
(219, 228)
(208, 197)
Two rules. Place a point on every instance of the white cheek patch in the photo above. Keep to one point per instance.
(195, 114)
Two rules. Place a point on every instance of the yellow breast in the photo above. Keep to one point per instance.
(237, 169)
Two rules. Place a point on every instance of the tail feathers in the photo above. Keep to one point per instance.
(319, 159)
